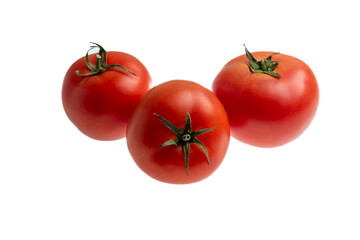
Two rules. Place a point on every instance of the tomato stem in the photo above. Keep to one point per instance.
(265, 66)
(101, 63)
(185, 138)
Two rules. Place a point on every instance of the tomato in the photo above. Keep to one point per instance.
(270, 98)
(179, 133)
(100, 92)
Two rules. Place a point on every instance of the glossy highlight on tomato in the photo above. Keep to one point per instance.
(270, 98)
(100, 92)
(179, 132)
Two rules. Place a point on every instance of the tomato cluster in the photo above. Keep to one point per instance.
(178, 131)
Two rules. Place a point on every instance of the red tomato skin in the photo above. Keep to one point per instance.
(265, 111)
(101, 105)
(171, 100)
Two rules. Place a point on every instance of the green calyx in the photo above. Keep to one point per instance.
(101, 64)
(265, 66)
(185, 137)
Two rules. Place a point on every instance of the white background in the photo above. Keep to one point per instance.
(56, 183)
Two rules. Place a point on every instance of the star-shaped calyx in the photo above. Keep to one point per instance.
(101, 63)
(185, 137)
(265, 66)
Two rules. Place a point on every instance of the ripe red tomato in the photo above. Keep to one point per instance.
(270, 98)
(100, 92)
(179, 133)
